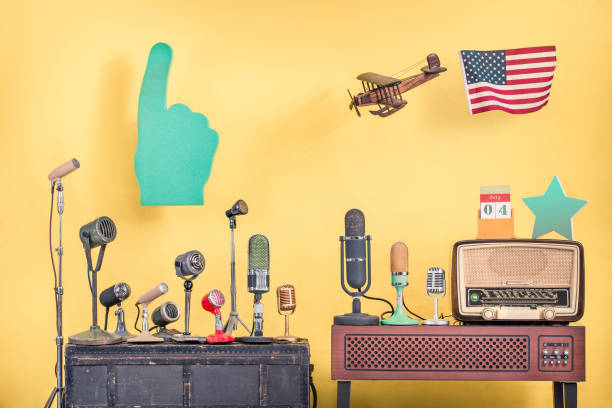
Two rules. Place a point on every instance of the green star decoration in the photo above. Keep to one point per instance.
(554, 211)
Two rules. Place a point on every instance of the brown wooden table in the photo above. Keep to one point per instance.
(475, 352)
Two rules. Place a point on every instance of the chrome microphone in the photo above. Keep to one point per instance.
(162, 316)
(258, 284)
(436, 289)
(285, 297)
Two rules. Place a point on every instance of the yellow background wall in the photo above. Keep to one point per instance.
(272, 79)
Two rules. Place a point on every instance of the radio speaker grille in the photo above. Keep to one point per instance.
(436, 353)
(488, 264)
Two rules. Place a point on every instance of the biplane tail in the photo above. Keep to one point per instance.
(433, 65)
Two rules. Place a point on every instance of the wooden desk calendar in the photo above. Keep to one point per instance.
(495, 216)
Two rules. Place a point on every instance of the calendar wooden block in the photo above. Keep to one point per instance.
(495, 227)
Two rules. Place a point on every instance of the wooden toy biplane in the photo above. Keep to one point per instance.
(386, 92)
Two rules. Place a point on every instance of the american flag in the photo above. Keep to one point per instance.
(514, 81)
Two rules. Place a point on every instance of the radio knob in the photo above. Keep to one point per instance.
(545, 352)
(556, 352)
(548, 314)
(488, 314)
(545, 362)
(566, 352)
(558, 362)
(564, 362)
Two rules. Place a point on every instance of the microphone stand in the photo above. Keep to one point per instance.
(233, 318)
(59, 291)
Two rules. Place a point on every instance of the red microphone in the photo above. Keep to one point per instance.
(212, 302)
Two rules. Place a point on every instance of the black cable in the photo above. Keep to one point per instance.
(89, 281)
(106, 318)
(382, 315)
(51, 252)
(380, 299)
(411, 312)
(312, 386)
(137, 316)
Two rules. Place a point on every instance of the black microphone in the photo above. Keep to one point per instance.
(114, 295)
(357, 246)
(354, 234)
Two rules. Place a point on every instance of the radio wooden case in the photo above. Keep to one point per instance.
(516, 280)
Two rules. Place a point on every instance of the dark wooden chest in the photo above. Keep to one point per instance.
(188, 375)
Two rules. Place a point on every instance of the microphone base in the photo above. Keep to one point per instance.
(145, 338)
(400, 319)
(356, 319)
(286, 339)
(182, 338)
(219, 338)
(256, 339)
(95, 336)
(166, 334)
(436, 322)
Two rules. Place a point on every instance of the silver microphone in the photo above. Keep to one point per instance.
(436, 289)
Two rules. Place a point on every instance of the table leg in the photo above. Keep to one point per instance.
(344, 394)
(570, 391)
(558, 394)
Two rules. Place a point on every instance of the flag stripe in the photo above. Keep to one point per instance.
(536, 65)
(528, 56)
(528, 81)
(524, 95)
(529, 70)
(478, 85)
(530, 50)
(528, 76)
(508, 110)
(531, 60)
(509, 101)
(509, 105)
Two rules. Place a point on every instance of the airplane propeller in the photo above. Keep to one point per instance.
(352, 105)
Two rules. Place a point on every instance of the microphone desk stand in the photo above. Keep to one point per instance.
(233, 318)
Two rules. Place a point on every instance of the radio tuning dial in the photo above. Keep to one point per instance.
(548, 314)
(488, 314)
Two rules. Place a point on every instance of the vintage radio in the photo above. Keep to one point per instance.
(518, 280)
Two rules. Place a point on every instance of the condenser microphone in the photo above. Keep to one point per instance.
(354, 234)
(64, 169)
(357, 246)
(285, 297)
(239, 208)
(436, 289)
(115, 294)
(258, 281)
(399, 280)
(152, 294)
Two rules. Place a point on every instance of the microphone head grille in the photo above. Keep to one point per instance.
(354, 223)
(122, 291)
(196, 260)
(286, 298)
(436, 282)
(259, 252)
(106, 229)
(216, 298)
(171, 310)
(399, 257)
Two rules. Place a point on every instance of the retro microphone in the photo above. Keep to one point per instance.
(55, 176)
(285, 297)
(162, 316)
(399, 279)
(436, 289)
(113, 296)
(258, 283)
(144, 300)
(97, 233)
(355, 241)
(212, 302)
(189, 266)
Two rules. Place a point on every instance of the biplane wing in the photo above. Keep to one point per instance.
(377, 79)
(390, 106)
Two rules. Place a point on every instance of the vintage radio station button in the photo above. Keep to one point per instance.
(558, 362)
(556, 352)
(566, 352)
(545, 362)
(545, 352)
(564, 362)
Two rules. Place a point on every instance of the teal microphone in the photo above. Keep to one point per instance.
(399, 280)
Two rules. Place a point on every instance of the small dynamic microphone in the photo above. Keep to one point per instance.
(212, 302)
(354, 234)
(165, 314)
(436, 289)
(64, 169)
(285, 297)
(98, 232)
(357, 246)
(115, 294)
(189, 265)
(258, 281)
(152, 294)
(144, 300)
(239, 208)
(399, 280)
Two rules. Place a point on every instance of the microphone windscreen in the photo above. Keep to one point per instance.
(64, 169)
(354, 223)
(259, 252)
(153, 293)
(399, 257)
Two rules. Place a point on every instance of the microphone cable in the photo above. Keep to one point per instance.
(51, 251)
(106, 319)
(136, 321)
(411, 312)
(312, 387)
